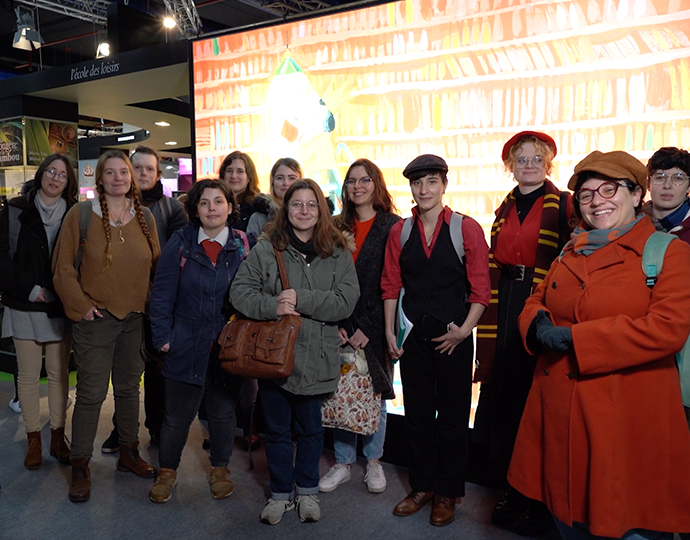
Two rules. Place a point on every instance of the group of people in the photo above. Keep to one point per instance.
(580, 408)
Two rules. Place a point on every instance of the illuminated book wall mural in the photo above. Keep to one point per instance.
(451, 77)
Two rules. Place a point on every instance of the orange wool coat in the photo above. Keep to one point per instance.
(603, 439)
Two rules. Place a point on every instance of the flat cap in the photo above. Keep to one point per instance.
(515, 138)
(425, 162)
(617, 164)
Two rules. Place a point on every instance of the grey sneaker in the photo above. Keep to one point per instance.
(338, 474)
(308, 508)
(375, 478)
(274, 510)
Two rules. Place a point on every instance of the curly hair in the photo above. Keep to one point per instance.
(194, 195)
(667, 158)
(247, 196)
(382, 200)
(326, 236)
(133, 194)
(543, 149)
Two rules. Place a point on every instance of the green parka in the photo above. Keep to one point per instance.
(327, 292)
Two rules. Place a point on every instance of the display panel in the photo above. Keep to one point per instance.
(451, 77)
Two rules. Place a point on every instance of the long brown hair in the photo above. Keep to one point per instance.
(247, 196)
(382, 200)
(71, 188)
(326, 237)
(291, 164)
(134, 194)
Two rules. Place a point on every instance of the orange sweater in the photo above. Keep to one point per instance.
(121, 288)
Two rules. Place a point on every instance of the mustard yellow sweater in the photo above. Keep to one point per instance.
(122, 288)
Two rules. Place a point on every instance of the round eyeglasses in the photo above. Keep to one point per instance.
(678, 179)
(607, 190)
(311, 206)
(53, 173)
(522, 162)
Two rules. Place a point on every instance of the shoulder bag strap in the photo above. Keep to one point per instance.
(282, 270)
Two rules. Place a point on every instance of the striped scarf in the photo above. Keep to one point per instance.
(549, 245)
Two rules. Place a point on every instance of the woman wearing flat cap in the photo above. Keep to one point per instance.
(603, 440)
(528, 233)
(441, 259)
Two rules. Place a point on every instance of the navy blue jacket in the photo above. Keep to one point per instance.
(189, 302)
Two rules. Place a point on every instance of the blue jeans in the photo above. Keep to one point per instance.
(345, 442)
(182, 402)
(280, 407)
(580, 531)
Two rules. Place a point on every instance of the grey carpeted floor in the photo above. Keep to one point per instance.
(34, 504)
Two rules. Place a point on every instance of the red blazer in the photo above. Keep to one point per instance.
(603, 439)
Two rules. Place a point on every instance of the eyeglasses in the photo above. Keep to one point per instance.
(53, 173)
(296, 206)
(522, 162)
(607, 190)
(352, 182)
(678, 179)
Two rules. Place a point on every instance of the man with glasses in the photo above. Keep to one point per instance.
(669, 184)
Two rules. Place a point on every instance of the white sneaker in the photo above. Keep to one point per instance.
(14, 406)
(308, 508)
(338, 474)
(375, 478)
(274, 510)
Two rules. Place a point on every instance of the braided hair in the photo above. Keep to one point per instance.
(134, 194)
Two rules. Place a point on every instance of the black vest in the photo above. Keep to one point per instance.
(436, 286)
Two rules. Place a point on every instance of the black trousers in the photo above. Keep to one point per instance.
(437, 391)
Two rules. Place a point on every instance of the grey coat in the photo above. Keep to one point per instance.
(327, 291)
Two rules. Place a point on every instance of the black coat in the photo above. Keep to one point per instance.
(31, 264)
(368, 314)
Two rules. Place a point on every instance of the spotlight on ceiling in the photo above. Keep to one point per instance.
(103, 50)
(162, 123)
(169, 22)
(171, 143)
(26, 34)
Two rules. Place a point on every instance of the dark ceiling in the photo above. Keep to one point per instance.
(69, 40)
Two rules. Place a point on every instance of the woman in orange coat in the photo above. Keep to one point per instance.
(603, 439)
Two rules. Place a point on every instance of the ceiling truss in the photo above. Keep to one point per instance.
(95, 11)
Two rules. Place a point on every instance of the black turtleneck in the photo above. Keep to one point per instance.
(524, 203)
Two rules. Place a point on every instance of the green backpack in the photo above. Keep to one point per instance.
(652, 262)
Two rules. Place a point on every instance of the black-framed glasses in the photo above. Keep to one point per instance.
(678, 179)
(53, 173)
(607, 190)
(522, 162)
(352, 182)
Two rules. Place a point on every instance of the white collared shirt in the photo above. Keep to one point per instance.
(221, 237)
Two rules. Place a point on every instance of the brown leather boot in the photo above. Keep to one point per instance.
(80, 490)
(34, 457)
(130, 460)
(58, 446)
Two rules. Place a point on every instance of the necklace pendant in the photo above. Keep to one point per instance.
(122, 238)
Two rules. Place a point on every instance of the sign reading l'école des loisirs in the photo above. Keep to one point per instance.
(94, 70)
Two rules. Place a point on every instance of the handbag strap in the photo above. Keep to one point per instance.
(282, 270)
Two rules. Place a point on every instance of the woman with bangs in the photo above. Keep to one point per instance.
(33, 316)
(323, 291)
(103, 281)
(368, 217)
(238, 172)
(530, 228)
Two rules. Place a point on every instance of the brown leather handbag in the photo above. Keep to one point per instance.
(261, 349)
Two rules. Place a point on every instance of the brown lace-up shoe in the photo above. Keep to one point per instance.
(58, 446)
(34, 457)
(443, 511)
(412, 503)
(80, 490)
(163, 488)
(221, 486)
(131, 461)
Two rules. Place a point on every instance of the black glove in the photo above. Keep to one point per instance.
(556, 338)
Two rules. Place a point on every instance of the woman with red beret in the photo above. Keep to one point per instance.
(527, 235)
